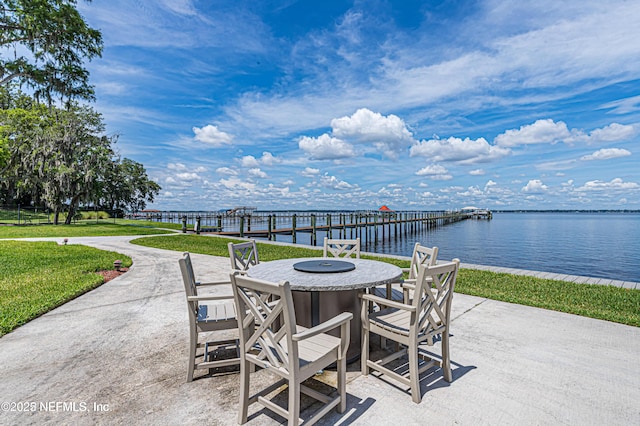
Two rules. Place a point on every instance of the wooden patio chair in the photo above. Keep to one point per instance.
(270, 339)
(243, 255)
(341, 247)
(207, 313)
(413, 326)
(422, 256)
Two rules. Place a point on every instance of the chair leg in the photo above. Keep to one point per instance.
(414, 374)
(342, 384)
(364, 353)
(245, 367)
(193, 345)
(294, 403)
(446, 357)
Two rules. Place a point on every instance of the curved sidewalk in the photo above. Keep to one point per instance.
(117, 355)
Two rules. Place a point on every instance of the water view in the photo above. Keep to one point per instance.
(601, 245)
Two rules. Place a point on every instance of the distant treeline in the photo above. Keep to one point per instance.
(566, 211)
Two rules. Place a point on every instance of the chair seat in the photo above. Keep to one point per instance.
(215, 312)
(397, 321)
(394, 320)
(312, 349)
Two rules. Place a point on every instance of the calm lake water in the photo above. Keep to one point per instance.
(605, 245)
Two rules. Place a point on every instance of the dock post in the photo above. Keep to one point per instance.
(197, 225)
(329, 233)
(351, 223)
(293, 228)
(219, 223)
(273, 228)
(241, 227)
(375, 228)
(269, 229)
(249, 223)
(314, 237)
(184, 224)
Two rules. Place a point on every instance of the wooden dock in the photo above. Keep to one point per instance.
(356, 224)
(367, 225)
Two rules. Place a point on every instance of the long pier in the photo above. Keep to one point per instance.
(367, 225)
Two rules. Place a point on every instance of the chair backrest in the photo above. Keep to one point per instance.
(190, 287)
(267, 327)
(341, 248)
(422, 256)
(243, 255)
(432, 297)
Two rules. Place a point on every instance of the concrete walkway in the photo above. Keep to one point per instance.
(117, 355)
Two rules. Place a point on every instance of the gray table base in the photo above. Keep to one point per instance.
(314, 307)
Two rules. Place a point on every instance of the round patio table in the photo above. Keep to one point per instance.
(321, 295)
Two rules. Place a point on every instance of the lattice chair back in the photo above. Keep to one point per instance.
(268, 322)
(243, 255)
(422, 256)
(341, 247)
(434, 286)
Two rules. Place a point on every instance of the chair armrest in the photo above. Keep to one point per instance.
(199, 284)
(197, 298)
(387, 302)
(334, 322)
(410, 285)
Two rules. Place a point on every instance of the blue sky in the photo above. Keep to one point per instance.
(419, 105)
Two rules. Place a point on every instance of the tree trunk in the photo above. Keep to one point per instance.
(73, 206)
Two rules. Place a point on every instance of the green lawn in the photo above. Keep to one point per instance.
(595, 301)
(36, 277)
(84, 229)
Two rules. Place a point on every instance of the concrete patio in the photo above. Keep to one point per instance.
(117, 355)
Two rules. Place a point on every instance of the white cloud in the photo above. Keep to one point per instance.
(334, 183)
(606, 154)
(624, 106)
(256, 172)
(455, 149)
(176, 166)
(615, 184)
(535, 186)
(235, 183)
(435, 172)
(477, 172)
(542, 131)
(210, 134)
(188, 176)
(310, 172)
(326, 147)
(549, 132)
(388, 134)
(249, 161)
(612, 132)
(269, 160)
(226, 171)
(490, 184)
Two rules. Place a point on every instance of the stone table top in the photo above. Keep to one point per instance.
(368, 273)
